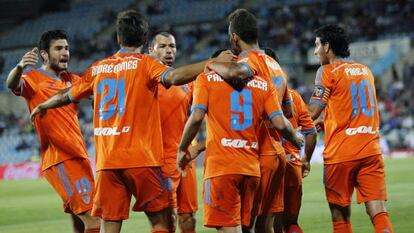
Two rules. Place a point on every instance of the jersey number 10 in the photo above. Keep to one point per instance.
(116, 89)
(244, 107)
(358, 93)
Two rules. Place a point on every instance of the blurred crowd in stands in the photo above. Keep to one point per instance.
(286, 26)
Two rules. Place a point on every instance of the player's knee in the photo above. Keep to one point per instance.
(187, 222)
(339, 213)
(89, 221)
(375, 207)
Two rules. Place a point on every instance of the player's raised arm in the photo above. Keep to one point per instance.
(188, 73)
(231, 70)
(62, 98)
(14, 77)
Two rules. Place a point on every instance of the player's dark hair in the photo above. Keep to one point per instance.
(217, 52)
(47, 37)
(271, 53)
(160, 33)
(132, 28)
(336, 37)
(244, 24)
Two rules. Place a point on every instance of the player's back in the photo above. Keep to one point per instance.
(174, 106)
(263, 65)
(126, 113)
(351, 115)
(233, 118)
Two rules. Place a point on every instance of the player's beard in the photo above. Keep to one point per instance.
(54, 65)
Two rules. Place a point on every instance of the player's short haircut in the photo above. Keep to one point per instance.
(47, 37)
(132, 28)
(217, 52)
(244, 24)
(271, 53)
(336, 37)
(161, 33)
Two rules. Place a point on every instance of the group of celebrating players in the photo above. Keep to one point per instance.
(144, 138)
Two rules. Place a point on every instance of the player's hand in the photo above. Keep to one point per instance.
(305, 168)
(29, 59)
(319, 125)
(226, 56)
(183, 159)
(299, 139)
(37, 110)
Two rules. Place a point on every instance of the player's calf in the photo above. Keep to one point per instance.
(379, 216)
(187, 223)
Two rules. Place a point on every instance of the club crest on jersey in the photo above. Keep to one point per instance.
(321, 92)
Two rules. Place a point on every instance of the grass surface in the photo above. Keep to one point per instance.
(33, 206)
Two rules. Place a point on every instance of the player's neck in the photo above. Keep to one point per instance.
(48, 69)
(245, 46)
(131, 49)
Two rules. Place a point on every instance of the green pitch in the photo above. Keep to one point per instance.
(32, 206)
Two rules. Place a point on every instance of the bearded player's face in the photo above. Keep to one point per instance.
(58, 56)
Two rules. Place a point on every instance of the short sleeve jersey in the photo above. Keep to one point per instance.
(233, 118)
(174, 109)
(258, 63)
(351, 116)
(127, 127)
(301, 118)
(58, 131)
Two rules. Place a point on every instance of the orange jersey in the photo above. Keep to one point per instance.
(351, 116)
(302, 118)
(233, 119)
(58, 131)
(174, 107)
(126, 112)
(258, 63)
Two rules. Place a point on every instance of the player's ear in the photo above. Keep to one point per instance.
(44, 55)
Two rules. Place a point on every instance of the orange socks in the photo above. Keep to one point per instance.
(342, 227)
(160, 230)
(294, 229)
(382, 223)
(92, 230)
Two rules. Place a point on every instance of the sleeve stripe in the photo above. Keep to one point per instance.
(249, 70)
(317, 103)
(163, 75)
(71, 99)
(287, 101)
(271, 116)
(199, 106)
(309, 131)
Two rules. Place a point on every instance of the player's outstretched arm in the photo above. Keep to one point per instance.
(230, 70)
(310, 143)
(189, 73)
(286, 129)
(190, 131)
(13, 79)
(60, 99)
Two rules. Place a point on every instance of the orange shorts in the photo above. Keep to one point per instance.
(228, 200)
(184, 188)
(293, 189)
(366, 175)
(115, 187)
(269, 196)
(73, 180)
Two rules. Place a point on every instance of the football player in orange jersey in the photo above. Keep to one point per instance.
(345, 90)
(174, 107)
(243, 36)
(65, 163)
(127, 126)
(297, 167)
(232, 168)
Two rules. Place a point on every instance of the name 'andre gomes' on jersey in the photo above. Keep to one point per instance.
(111, 68)
(257, 82)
